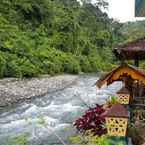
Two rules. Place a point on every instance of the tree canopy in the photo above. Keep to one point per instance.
(55, 36)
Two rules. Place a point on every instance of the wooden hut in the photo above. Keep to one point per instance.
(134, 50)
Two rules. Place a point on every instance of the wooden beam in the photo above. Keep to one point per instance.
(138, 105)
(136, 62)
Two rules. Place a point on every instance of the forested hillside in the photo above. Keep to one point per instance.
(133, 30)
(55, 36)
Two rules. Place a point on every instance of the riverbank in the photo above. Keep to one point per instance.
(17, 90)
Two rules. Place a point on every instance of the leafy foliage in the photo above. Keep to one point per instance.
(90, 139)
(92, 120)
(111, 100)
(54, 36)
(133, 30)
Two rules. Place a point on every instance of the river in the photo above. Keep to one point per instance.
(45, 120)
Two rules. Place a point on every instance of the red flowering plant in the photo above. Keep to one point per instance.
(92, 120)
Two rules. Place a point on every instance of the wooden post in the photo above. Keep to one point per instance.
(136, 62)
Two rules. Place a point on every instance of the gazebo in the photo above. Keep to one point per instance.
(134, 50)
(132, 95)
(131, 76)
(119, 74)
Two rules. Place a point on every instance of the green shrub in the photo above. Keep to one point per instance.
(89, 139)
(28, 69)
(85, 64)
(13, 69)
(71, 65)
(2, 66)
(51, 67)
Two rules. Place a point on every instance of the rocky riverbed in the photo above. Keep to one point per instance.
(18, 90)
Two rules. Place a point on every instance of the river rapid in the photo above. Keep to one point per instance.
(48, 120)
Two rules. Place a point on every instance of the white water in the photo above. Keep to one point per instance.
(50, 116)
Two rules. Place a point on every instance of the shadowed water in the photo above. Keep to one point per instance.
(47, 119)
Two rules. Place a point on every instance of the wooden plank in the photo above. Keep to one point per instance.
(138, 98)
(138, 105)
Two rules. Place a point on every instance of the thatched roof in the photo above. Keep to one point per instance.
(118, 73)
(131, 50)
